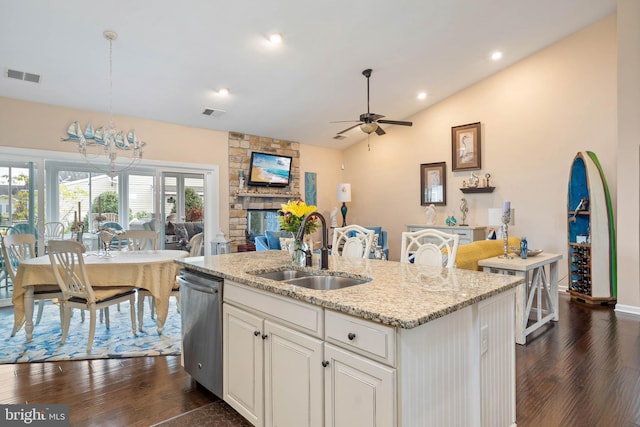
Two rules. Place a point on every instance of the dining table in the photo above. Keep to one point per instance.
(153, 270)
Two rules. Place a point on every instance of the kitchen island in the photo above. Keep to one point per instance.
(413, 346)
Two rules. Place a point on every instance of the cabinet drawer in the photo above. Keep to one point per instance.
(370, 339)
(299, 316)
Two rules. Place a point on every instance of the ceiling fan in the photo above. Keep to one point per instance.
(369, 121)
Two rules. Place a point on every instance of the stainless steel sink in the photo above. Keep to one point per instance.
(311, 280)
(284, 274)
(325, 283)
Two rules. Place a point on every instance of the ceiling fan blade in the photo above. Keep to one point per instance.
(346, 121)
(395, 122)
(348, 129)
(380, 131)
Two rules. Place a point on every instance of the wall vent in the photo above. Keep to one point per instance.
(213, 112)
(21, 75)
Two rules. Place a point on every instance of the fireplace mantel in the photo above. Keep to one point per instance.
(283, 195)
(247, 196)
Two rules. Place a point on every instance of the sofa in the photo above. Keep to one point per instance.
(468, 255)
(178, 234)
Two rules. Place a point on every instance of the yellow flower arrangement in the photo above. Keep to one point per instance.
(294, 211)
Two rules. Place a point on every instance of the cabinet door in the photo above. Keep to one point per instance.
(293, 378)
(358, 391)
(243, 363)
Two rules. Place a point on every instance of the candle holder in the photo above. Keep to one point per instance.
(506, 218)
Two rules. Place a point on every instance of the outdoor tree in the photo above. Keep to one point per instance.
(192, 205)
(20, 199)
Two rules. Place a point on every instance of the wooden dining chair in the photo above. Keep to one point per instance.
(15, 248)
(138, 240)
(67, 262)
(429, 247)
(53, 231)
(353, 241)
(195, 245)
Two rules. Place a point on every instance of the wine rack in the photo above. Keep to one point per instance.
(591, 233)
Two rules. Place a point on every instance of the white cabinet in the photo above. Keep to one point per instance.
(467, 233)
(275, 375)
(243, 363)
(272, 374)
(293, 378)
(358, 391)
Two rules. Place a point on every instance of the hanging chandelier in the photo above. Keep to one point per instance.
(107, 149)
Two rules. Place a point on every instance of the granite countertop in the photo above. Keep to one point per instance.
(402, 295)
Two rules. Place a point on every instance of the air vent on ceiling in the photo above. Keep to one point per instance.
(21, 75)
(339, 137)
(213, 112)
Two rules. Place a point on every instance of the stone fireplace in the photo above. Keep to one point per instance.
(256, 198)
(261, 220)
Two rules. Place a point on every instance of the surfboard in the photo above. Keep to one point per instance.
(591, 232)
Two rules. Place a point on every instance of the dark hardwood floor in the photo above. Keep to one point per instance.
(582, 371)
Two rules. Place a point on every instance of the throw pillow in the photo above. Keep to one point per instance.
(285, 242)
(374, 243)
(182, 237)
(273, 239)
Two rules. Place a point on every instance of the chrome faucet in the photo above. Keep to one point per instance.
(324, 251)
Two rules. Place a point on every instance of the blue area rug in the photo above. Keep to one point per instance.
(116, 342)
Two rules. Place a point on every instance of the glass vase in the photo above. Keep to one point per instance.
(297, 250)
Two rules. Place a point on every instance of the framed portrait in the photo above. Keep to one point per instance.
(465, 147)
(433, 184)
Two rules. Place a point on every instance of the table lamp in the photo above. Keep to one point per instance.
(344, 195)
(503, 217)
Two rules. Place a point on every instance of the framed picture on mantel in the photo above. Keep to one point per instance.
(433, 184)
(465, 147)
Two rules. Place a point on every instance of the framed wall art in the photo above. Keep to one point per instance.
(433, 184)
(465, 147)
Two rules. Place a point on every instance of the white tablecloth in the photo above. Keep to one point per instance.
(151, 270)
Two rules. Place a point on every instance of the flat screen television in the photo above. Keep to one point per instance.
(269, 170)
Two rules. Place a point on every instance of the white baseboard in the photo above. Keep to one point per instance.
(628, 309)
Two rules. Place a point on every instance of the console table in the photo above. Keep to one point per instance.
(468, 233)
(536, 286)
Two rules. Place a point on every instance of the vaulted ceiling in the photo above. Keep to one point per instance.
(171, 58)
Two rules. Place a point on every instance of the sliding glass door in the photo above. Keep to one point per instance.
(18, 210)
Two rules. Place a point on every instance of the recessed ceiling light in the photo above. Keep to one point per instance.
(422, 95)
(223, 92)
(275, 38)
(497, 55)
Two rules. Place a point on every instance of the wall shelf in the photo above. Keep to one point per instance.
(477, 189)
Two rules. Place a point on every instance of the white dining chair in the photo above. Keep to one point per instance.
(429, 247)
(353, 241)
(15, 248)
(138, 240)
(53, 231)
(68, 266)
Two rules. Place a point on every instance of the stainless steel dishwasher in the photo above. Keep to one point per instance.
(201, 309)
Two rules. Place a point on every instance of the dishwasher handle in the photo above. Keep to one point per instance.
(197, 286)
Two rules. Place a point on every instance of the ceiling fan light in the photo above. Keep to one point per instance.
(368, 127)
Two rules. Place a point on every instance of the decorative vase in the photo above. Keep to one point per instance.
(297, 250)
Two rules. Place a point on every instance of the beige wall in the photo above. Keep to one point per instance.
(40, 126)
(536, 115)
(326, 163)
(628, 162)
